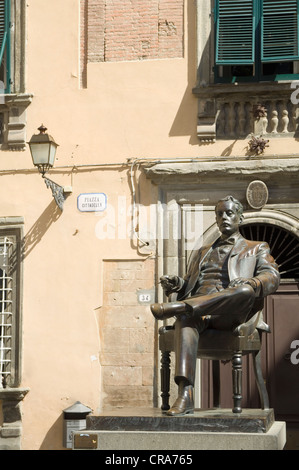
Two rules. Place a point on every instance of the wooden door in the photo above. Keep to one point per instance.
(282, 371)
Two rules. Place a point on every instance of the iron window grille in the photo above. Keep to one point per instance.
(6, 313)
(10, 338)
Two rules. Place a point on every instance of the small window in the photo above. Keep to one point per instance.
(256, 40)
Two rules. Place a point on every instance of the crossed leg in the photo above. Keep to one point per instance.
(224, 310)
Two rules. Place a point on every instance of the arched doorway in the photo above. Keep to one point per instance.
(284, 246)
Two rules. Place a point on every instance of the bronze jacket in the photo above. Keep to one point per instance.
(247, 259)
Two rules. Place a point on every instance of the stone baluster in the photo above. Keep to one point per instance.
(225, 119)
(285, 121)
(242, 118)
(231, 119)
(264, 120)
(279, 117)
(221, 120)
(260, 119)
(274, 121)
(270, 109)
(295, 118)
(280, 107)
(249, 118)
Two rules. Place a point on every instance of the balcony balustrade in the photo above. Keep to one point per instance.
(237, 111)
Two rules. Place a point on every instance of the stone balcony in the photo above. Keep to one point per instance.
(235, 111)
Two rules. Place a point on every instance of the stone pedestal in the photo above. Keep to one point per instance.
(204, 430)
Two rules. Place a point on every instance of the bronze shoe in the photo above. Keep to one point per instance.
(168, 310)
(184, 403)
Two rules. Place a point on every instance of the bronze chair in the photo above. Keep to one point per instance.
(221, 345)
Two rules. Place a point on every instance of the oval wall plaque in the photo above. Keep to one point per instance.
(257, 194)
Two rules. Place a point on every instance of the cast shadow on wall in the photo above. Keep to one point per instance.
(53, 440)
(185, 121)
(39, 228)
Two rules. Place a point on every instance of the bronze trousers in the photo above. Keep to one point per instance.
(228, 309)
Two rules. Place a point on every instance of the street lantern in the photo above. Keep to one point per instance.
(43, 150)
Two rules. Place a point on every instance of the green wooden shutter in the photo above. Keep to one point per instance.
(279, 30)
(235, 31)
(3, 27)
(4, 39)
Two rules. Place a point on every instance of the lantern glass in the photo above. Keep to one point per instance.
(40, 153)
(43, 150)
(52, 153)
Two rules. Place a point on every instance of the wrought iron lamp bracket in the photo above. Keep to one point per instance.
(57, 191)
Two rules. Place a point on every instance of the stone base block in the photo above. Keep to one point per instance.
(211, 420)
(205, 430)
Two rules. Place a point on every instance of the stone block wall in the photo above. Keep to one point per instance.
(127, 335)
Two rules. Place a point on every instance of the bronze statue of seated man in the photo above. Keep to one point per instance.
(225, 286)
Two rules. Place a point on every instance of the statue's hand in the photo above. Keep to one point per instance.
(169, 283)
(240, 281)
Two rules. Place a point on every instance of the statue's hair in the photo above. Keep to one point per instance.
(235, 201)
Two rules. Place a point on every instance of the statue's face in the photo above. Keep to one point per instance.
(227, 217)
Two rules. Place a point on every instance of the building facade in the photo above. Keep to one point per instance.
(160, 108)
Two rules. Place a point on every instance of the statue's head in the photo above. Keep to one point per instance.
(237, 203)
(229, 215)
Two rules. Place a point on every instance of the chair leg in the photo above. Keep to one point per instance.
(237, 381)
(216, 383)
(165, 380)
(257, 367)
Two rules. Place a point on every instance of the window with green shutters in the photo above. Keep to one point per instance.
(5, 46)
(256, 40)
